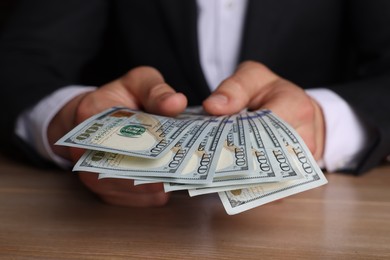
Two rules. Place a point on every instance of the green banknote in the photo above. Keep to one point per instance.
(169, 167)
(129, 132)
(239, 200)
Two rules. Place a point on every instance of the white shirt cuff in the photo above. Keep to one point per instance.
(345, 133)
(32, 124)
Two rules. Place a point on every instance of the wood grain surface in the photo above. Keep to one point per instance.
(48, 214)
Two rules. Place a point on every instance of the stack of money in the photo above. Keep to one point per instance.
(250, 158)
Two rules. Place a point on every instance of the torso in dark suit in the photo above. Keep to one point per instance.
(341, 45)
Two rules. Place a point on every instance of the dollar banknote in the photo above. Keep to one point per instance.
(270, 164)
(249, 159)
(281, 159)
(172, 166)
(204, 160)
(270, 161)
(235, 158)
(129, 132)
(239, 200)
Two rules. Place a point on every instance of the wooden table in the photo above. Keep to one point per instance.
(48, 214)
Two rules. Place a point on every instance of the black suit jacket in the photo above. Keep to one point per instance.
(341, 45)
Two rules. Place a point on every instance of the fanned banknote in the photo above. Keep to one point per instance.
(249, 159)
(235, 162)
(169, 167)
(239, 200)
(129, 132)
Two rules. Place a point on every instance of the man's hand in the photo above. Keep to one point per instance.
(141, 88)
(254, 86)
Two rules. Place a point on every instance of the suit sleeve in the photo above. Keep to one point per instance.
(44, 46)
(368, 91)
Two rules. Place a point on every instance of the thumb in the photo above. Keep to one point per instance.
(237, 92)
(152, 93)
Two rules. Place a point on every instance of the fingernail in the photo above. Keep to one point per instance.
(218, 98)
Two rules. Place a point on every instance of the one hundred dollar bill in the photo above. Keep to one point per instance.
(268, 145)
(235, 158)
(200, 160)
(239, 200)
(250, 159)
(205, 158)
(295, 146)
(129, 132)
(168, 167)
(269, 166)
(269, 163)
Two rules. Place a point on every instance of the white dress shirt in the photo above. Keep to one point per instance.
(220, 26)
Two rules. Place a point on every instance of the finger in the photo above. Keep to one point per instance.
(237, 92)
(153, 94)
